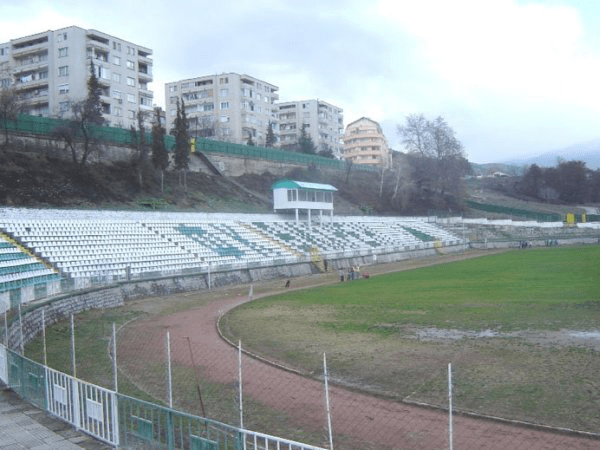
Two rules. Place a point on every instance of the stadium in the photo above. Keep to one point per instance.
(60, 263)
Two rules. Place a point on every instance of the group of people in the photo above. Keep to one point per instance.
(353, 273)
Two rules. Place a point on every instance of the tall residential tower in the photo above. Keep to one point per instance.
(228, 107)
(323, 122)
(49, 71)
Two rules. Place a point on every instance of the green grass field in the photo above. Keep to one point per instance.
(504, 321)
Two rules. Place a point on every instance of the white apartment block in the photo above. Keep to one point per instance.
(365, 143)
(228, 107)
(50, 71)
(323, 122)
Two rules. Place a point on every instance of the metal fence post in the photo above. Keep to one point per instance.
(44, 337)
(170, 436)
(327, 405)
(73, 362)
(450, 431)
(114, 361)
(21, 343)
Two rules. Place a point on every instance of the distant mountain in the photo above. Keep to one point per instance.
(588, 152)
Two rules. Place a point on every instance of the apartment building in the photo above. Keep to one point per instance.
(323, 122)
(365, 143)
(230, 107)
(49, 71)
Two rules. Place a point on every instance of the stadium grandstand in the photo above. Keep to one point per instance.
(44, 251)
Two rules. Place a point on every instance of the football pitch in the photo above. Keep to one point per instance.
(521, 329)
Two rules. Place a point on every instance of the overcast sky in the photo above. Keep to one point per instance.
(512, 78)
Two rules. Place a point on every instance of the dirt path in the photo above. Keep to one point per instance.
(359, 421)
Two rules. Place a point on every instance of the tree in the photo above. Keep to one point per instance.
(140, 145)
(326, 151)
(182, 152)
(10, 108)
(306, 143)
(573, 182)
(532, 182)
(437, 158)
(271, 139)
(86, 114)
(160, 157)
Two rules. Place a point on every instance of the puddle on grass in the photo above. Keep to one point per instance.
(566, 338)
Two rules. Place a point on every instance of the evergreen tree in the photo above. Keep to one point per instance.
(160, 157)
(270, 139)
(180, 131)
(306, 143)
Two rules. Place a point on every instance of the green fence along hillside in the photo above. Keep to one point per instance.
(46, 126)
(120, 136)
(272, 154)
(532, 215)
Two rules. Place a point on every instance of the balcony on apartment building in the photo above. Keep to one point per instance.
(97, 41)
(29, 46)
(144, 71)
(144, 56)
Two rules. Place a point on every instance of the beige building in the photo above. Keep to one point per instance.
(323, 122)
(50, 70)
(228, 107)
(364, 143)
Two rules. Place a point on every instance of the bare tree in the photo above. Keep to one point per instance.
(437, 158)
(10, 108)
(86, 114)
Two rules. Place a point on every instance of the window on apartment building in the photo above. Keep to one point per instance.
(224, 92)
(63, 89)
(64, 106)
(173, 88)
(117, 46)
(224, 80)
(173, 100)
(130, 64)
(146, 101)
(118, 111)
(42, 75)
(63, 71)
(117, 94)
(116, 77)
(130, 81)
(117, 60)
(185, 85)
(131, 114)
(224, 105)
(5, 82)
(131, 98)
(61, 37)
(208, 107)
(225, 131)
(63, 51)
(224, 119)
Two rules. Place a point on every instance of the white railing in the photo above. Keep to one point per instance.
(87, 407)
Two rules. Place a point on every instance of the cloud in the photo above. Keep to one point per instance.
(510, 76)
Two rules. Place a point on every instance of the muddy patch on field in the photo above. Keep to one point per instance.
(563, 338)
